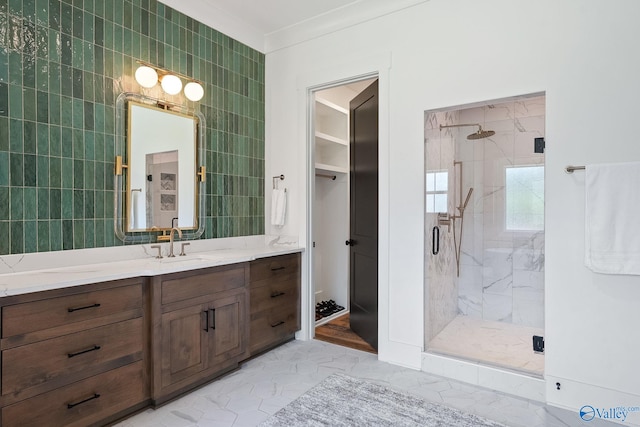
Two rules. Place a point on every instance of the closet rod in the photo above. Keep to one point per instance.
(322, 175)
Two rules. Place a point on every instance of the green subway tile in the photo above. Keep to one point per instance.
(4, 101)
(67, 173)
(29, 137)
(99, 233)
(42, 42)
(55, 147)
(88, 204)
(42, 107)
(42, 12)
(67, 142)
(55, 204)
(43, 236)
(77, 52)
(4, 243)
(66, 18)
(67, 234)
(43, 203)
(30, 170)
(66, 81)
(99, 204)
(78, 174)
(16, 163)
(16, 212)
(4, 169)
(43, 139)
(89, 174)
(5, 203)
(30, 236)
(15, 102)
(89, 233)
(78, 144)
(16, 144)
(4, 61)
(78, 234)
(78, 114)
(55, 235)
(42, 167)
(88, 116)
(29, 70)
(30, 203)
(16, 237)
(66, 109)
(89, 60)
(67, 204)
(78, 23)
(55, 172)
(29, 104)
(54, 78)
(42, 74)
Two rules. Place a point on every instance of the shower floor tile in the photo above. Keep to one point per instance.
(494, 343)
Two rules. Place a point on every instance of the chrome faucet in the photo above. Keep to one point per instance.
(171, 255)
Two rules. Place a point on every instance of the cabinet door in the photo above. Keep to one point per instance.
(228, 339)
(185, 338)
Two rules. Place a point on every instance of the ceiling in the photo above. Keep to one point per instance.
(270, 16)
(268, 25)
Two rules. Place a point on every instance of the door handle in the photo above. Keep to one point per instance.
(435, 240)
(206, 320)
(212, 311)
(350, 242)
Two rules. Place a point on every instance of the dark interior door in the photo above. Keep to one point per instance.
(363, 239)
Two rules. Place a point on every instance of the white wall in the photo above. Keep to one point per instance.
(584, 56)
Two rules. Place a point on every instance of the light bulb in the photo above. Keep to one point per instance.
(171, 84)
(146, 76)
(194, 91)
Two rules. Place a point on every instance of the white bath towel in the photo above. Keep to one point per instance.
(278, 207)
(612, 218)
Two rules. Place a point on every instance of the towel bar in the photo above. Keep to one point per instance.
(275, 180)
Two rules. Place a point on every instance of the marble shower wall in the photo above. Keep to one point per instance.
(441, 292)
(502, 270)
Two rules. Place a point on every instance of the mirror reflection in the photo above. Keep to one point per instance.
(161, 174)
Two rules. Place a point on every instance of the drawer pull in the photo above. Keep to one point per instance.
(277, 324)
(71, 405)
(277, 294)
(213, 318)
(277, 268)
(71, 310)
(94, 348)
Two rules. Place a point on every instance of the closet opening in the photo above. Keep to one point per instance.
(339, 317)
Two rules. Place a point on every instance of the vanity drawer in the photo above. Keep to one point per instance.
(96, 307)
(82, 403)
(281, 294)
(270, 327)
(78, 355)
(274, 268)
(185, 286)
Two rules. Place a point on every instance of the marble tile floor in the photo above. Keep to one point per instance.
(495, 343)
(269, 382)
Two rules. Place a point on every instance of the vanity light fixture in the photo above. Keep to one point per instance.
(148, 75)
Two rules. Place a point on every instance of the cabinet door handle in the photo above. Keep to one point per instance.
(71, 310)
(206, 320)
(277, 324)
(435, 240)
(71, 405)
(213, 318)
(78, 353)
(277, 294)
(277, 268)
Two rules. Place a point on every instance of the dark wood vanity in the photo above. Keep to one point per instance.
(92, 354)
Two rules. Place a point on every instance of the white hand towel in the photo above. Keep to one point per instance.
(278, 207)
(612, 218)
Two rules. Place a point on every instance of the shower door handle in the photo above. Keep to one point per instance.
(435, 240)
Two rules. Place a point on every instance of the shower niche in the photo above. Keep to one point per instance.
(484, 232)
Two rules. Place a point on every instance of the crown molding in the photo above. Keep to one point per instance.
(334, 20)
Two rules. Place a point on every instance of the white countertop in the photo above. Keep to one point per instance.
(89, 268)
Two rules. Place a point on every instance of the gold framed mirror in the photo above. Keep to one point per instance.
(159, 176)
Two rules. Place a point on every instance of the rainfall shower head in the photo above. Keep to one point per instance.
(480, 134)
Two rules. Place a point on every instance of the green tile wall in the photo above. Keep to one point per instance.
(62, 66)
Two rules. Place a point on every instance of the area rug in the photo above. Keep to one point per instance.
(340, 400)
